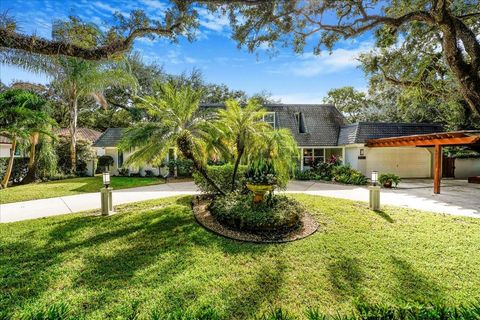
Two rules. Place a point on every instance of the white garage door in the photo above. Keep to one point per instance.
(404, 162)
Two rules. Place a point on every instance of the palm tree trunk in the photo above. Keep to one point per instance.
(30, 177)
(73, 134)
(184, 144)
(8, 172)
(235, 168)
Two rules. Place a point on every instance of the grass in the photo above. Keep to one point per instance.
(70, 187)
(153, 258)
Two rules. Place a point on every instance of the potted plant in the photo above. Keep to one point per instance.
(260, 178)
(388, 179)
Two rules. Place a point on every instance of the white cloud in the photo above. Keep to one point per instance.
(154, 4)
(211, 21)
(176, 57)
(106, 7)
(310, 65)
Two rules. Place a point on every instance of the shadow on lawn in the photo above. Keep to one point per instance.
(346, 277)
(384, 215)
(414, 286)
(146, 246)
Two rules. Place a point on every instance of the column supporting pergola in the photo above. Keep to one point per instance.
(437, 168)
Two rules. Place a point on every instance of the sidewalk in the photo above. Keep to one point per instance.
(19, 211)
(457, 198)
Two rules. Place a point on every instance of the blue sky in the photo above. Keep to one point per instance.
(291, 77)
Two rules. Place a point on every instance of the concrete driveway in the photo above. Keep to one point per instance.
(457, 198)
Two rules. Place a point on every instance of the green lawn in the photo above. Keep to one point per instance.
(154, 257)
(70, 187)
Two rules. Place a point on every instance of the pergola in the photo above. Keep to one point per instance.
(436, 140)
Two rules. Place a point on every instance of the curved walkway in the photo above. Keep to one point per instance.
(457, 198)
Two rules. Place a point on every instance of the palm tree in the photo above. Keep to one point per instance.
(244, 127)
(74, 78)
(174, 120)
(280, 148)
(19, 119)
(35, 137)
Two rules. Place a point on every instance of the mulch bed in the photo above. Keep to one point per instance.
(204, 218)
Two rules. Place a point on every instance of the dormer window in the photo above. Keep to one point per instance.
(300, 122)
(269, 118)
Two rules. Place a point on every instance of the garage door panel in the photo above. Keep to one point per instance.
(404, 162)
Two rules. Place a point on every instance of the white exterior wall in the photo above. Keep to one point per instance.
(465, 168)
(352, 154)
(5, 151)
(113, 152)
(407, 162)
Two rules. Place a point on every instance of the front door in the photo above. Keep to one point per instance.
(448, 167)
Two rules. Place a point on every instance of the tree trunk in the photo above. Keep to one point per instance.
(467, 75)
(73, 134)
(184, 144)
(30, 177)
(240, 151)
(8, 172)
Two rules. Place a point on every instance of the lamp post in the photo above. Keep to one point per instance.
(374, 192)
(106, 195)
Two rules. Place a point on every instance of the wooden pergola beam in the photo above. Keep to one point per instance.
(423, 141)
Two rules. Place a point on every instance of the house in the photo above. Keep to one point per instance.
(107, 144)
(321, 132)
(6, 145)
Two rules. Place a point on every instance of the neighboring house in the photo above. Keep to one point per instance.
(321, 133)
(107, 144)
(6, 145)
(85, 134)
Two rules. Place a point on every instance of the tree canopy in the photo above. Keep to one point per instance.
(451, 26)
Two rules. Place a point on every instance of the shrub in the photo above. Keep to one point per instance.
(149, 173)
(277, 214)
(47, 160)
(104, 162)
(387, 179)
(324, 170)
(222, 176)
(307, 175)
(345, 174)
(19, 169)
(123, 172)
(184, 167)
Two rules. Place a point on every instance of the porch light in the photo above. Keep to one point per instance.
(374, 177)
(106, 179)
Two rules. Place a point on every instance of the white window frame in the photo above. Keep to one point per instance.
(269, 122)
(302, 166)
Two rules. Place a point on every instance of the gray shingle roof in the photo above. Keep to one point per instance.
(322, 121)
(324, 126)
(363, 131)
(109, 138)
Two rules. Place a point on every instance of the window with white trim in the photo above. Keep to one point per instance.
(269, 118)
(313, 155)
